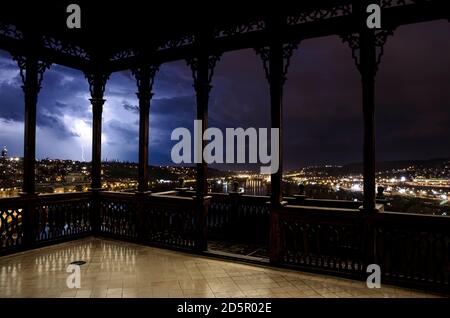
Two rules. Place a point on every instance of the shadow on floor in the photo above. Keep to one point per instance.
(253, 250)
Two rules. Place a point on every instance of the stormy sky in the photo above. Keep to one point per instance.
(322, 104)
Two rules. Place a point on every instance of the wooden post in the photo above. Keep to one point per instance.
(276, 81)
(202, 88)
(202, 67)
(274, 236)
(31, 91)
(368, 70)
(97, 82)
(31, 72)
(276, 62)
(144, 78)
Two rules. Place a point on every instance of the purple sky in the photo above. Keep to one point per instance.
(322, 103)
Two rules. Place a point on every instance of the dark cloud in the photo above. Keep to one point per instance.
(55, 124)
(131, 108)
(122, 132)
(11, 99)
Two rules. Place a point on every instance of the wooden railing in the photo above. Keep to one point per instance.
(237, 217)
(245, 218)
(61, 216)
(318, 238)
(161, 219)
(11, 224)
(175, 221)
(410, 249)
(220, 220)
(31, 221)
(323, 203)
(118, 215)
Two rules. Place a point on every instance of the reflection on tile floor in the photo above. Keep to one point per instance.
(118, 269)
(254, 250)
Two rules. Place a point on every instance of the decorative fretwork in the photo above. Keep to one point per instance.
(42, 66)
(319, 244)
(264, 53)
(118, 217)
(220, 216)
(11, 226)
(287, 51)
(55, 220)
(381, 37)
(97, 83)
(353, 41)
(171, 224)
(155, 220)
(194, 64)
(253, 220)
(258, 25)
(237, 217)
(177, 42)
(218, 210)
(413, 248)
(319, 14)
(124, 54)
(65, 48)
(396, 3)
(145, 77)
(10, 31)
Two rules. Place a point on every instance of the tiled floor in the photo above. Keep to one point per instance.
(120, 269)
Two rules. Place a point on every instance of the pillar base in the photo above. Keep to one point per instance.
(26, 194)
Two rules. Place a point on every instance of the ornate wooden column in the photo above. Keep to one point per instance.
(367, 49)
(31, 72)
(202, 70)
(202, 67)
(368, 71)
(144, 78)
(276, 59)
(97, 81)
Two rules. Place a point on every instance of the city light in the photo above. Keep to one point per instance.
(59, 176)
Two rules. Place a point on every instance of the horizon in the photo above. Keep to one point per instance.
(214, 166)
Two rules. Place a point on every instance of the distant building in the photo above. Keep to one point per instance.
(75, 177)
(4, 152)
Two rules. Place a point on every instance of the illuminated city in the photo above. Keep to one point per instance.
(419, 187)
